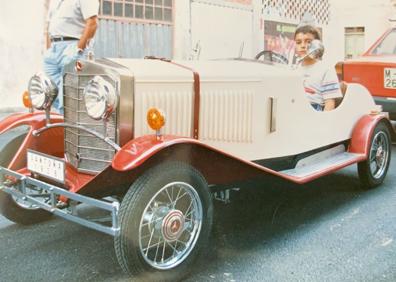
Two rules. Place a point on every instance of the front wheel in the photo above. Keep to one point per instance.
(18, 211)
(165, 219)
(372, 172)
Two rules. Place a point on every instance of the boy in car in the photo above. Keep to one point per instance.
(320, 82)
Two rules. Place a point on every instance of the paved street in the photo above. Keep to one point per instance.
(327, 230)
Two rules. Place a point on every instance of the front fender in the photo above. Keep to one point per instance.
(218, 167)
(34, 121)
(363, 131)
(138, 150)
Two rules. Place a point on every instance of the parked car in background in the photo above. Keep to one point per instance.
(376, 70)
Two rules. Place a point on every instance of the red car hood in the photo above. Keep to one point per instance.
(373, 59)
(368, 70)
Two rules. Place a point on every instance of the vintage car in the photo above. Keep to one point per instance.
(149, 141)
(376, 70)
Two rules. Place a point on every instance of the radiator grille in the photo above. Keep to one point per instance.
(85, 152)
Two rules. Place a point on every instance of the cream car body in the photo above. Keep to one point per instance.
(226, 121)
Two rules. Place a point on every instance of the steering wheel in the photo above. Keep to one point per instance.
(271, 56)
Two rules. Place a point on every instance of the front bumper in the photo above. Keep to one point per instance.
(21, 187)
(388, 105)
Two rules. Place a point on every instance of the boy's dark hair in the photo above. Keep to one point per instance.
(308, 29)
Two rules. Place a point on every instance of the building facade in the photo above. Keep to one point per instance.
(191, 29)
(356, 25)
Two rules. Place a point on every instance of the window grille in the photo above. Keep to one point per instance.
(152, 11)
(294, 10)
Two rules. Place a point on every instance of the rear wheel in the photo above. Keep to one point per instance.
(165, 219)
(17, 210)
(372, 172)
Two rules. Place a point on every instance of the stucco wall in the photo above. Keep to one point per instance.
(222, 29)
(21, 33)
(218, 28)
(373, 15)
(21, 45)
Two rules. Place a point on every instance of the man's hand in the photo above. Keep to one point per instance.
(91, 25)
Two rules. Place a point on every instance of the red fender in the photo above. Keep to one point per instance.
(138, 150)
(50, 142)
(35, 120)
(363, 131)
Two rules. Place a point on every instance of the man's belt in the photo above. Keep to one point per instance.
(62, 38)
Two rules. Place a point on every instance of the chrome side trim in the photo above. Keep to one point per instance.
(273, 106)
(94, 133)
(49, 201)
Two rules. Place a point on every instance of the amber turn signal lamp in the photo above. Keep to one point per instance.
(155, 119)
(26, 100)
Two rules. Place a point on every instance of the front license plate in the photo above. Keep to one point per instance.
(390, 78)
(45, 165)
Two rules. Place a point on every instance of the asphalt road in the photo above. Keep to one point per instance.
(327, 230)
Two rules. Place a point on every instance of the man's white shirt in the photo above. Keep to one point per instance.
(67, 17)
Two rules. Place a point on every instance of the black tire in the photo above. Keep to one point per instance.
(372, 172)
(137, 202)
(8, 207)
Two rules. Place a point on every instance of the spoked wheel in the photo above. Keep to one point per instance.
(165, 219)
(170, 225)
(372, 172)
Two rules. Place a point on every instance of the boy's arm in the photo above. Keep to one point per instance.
(329, 105)
(330, 89)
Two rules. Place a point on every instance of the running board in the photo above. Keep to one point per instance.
(314, 167)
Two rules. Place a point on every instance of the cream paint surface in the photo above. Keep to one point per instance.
(235, 112)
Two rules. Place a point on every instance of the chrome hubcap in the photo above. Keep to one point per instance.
(173, 225)
(170, 225)
(379, 154)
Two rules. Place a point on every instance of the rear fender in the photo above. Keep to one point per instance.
(50, 142)
(363, 131)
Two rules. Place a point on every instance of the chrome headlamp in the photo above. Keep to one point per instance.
(100, 98)
(42, 91)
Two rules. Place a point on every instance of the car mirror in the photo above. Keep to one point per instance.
(316, 49)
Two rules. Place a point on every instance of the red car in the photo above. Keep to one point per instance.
(376, 70)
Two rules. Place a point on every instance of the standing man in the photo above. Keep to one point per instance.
(71, 24)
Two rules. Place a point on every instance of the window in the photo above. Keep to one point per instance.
(387, 45)
(147, 10)
(354, 42)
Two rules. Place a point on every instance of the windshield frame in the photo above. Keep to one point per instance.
(388, 37)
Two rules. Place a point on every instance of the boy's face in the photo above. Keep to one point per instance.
(302, 43)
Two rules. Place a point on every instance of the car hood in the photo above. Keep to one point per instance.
(373, 59)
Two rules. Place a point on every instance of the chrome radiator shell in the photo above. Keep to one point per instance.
(87, 153)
